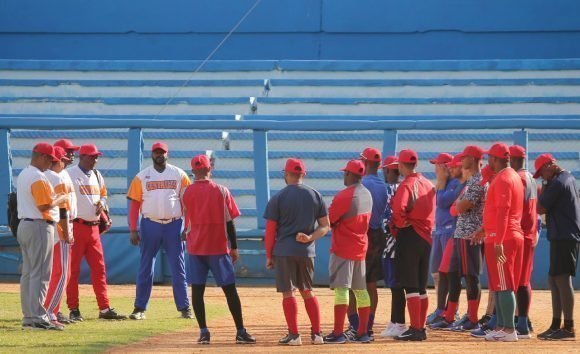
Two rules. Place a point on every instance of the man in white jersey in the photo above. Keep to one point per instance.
(91, 193)
(37, 205)
(60, 181)
(156, 191)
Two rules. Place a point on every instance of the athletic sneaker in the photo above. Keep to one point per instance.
(75, 315)
(186, 313)
(522, 334)
(291, 339)
(395, 330)
(138, 314)
(371, 335)
(547, 333)
(26, 326)
(350, 334)
(334, 338)
(502, 336)
(60, 317)
(563, 334)
(111, 314)
(45, 325)
(481, 331)
(204, 338)
(57, 325)
(457, 326)
(435, 316)
(465, 326)
(316, 338)
(413, 335)
(363, 338)
(442, 325)
(243, 337)
(489, 336)
(484, 319)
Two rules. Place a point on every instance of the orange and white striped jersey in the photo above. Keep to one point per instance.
(34, 189)
(159, 193)
(88, 192)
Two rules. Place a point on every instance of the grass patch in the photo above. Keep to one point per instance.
(92, 335)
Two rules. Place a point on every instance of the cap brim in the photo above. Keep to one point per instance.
(537, 173)
(391, 165)
(434, 161)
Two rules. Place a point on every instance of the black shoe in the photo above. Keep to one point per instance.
(243, 337)
(371, 335)
(547, 333)
(60, 317)
(186, 313)
(111, 314)
(138, 314)
(75, 315)
(291, 339)
(204, 338)
(563, 334)
(530, 326)
(43, 326)
(350, 334)
(485, 319)
(412, 335)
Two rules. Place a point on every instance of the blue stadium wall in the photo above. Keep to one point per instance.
(290, 29)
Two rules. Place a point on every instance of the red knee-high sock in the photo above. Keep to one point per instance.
(313, 311)
(339, 317)
(363, 319)
(472, 307)
(451, 310)
(290, 307)
(424, 309)
(414, 306)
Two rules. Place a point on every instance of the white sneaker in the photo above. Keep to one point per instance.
(316, 339)
(508, 337)
(387, 331)
(396, 330)
(490, 336)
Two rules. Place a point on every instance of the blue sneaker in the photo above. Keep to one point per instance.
(441, 325)
(434, 317)
(364, 338)
(335, 338)
(457, 326)
(204, 338)
(466, 326)
(481, 331)
(350, 334)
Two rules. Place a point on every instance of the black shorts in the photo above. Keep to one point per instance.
(563, 257)
(293, 272)
(466, 259)
(374, 266)
(412, 259)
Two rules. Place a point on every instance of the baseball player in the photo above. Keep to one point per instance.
(155, 192)
(559, 201)
(396, 325)
(531, 235)
(60, 274)
(350, 213)
(413, 208)
(70, 149)
(291, 217)
(371, 157)
(209, 211)
(91, 193)
(448, 189)
(466, 256)
(504, 239)
(38, 212)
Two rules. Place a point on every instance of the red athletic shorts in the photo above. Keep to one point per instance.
(504, 276)
(527, 263)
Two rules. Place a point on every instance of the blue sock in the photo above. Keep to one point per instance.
(371, 322)
(523, 324)
(353, 320)
(203, 330)
(492, 322)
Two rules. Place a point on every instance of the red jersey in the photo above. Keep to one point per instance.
(504, 204)
(529, 215)
(414, 205)
(208, 208)
(350, 214)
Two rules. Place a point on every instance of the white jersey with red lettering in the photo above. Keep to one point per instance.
(159, 192)
(88, 192)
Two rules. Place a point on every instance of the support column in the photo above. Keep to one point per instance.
(6, 176)
(261, 174)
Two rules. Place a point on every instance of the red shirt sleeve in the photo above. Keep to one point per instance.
(503, 204)
(399, 205)
(134, 207)
(340, 205)
(231, 206)
(270, 237)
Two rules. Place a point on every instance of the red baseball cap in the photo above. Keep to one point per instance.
(355, 166)
(66, 144)
(391, 163)
(159, 145)
(90, 149)
(46, 149)
(371, 154)
(200, 161)
(442, 158)
(295, 166)
(60, 153)
(486, 175)
(499, 150)
(517, 151)
(473, 151)
(408, 156)
(456, 161)
(541, 161)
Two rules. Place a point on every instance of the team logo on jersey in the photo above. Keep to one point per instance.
(89, 190)
(167, 184)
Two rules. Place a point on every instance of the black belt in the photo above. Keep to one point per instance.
(50, 222)
(85, 222)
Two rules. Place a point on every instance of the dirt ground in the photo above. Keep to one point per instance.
(264, 319)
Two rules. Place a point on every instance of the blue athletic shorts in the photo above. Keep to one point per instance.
(221, 266)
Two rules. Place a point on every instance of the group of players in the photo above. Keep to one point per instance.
(387, 229)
